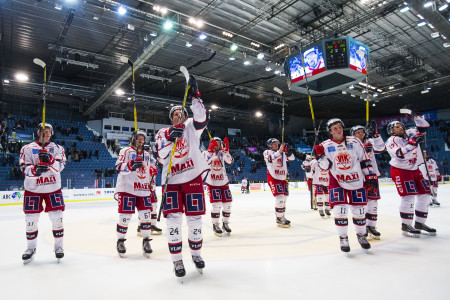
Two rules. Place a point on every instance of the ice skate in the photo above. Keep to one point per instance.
(425, 229)
(345, 246)
(283, 222)
(327, 212)
(321, 213)
(217, 230)
(28, 256)
(373, 233)
(178, 268)
(59, 253)
(226, 228)
(363, 242)
(410, 231)
(121, 247)
(155, 230)
(434, 202)
(139, 231)
(146, 248)
(199, 263)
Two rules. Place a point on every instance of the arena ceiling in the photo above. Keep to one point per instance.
(82, 41)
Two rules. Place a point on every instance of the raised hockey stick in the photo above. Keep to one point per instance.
(363, 54)
(163, 201)
(408, 111)
(133, 88)
(282, 112)
(42, 64)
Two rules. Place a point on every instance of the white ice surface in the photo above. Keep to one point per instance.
(258, 260)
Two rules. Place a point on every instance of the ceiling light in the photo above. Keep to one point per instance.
(189, 45)
(246, 62)
(167, 25)
(161, 9)
(5, 81)
(119, 92)
(209, 110)
(154, 33)
(352, 95)
(129, 98)
(391, 87)
(22, 77)
(446, 45)
(277, 71)
(171, 104)
(268, 69)
(423, 23)
(122, 10)
(95, 18)
(255, 44)
(429, 88)
(214, 106)
(443, 7)
(279, 46)
(232, 58)
(420, 16)
(428, 4)
(258, 114)
(404, 9)
(424, 91)
(435, 35)
(227, 34)
(58, 6)
(351, 87)
(260, 55)
(344, 92)
(430, 25)
(373, 104)
(197, 23)
(234, 47)
(202, 36)
(443, 36)
(375, 95)
(130, 27)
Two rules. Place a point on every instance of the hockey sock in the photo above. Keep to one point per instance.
(371, 214)
(215, 212)
(340, 219)
(31, 221)
(146, 222)
(407, 209)
(226, 212)
(422, 202)
(174, 236)
(280, 205)
(56, 217)
(359, 219)
(195, 234)
(122, 225)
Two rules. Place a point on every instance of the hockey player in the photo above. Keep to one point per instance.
(372, 145)
(349, 166)
(184, 193)
(133, 191)
(433, 170)
(306, 166)
(244, 185)
(320, 185)
(217, 183)
(276, 161)
(413, 188)
(42, 163)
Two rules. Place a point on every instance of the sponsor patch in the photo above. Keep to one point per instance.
(331, 149)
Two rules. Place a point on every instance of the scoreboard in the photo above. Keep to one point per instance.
(327, 65)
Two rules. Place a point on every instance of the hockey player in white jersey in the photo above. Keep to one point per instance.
(216, 181)
(244, 185)
(133, 191)
(320, 185)
(184, 193)
(42, 163)
(373, 143)
(433, 170)
(276, 161)
(306, 166)
(349, 167)
(413, 188)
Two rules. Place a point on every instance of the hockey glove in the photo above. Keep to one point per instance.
(176, 131)
(193, 91)
(371, 129)
(307, 168)
(418, 138)
(45, 156)
(153, 171)
(135, 164)
(320, 150)
(371, 183)
(368, 147)
(212, 146)
(40, 167)
(227, 145)
(410, 111)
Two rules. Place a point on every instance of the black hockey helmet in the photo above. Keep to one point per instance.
(332, 122)
(271, 141)
(356, 128)
(390, 127)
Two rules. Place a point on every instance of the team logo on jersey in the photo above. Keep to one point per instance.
(182, 148)
(343, 161)
(350, 146)
(141, 173)
(35, 151)
(215, 164)
(279, 162)
(331, 149)
(51, 150)
(46, 180)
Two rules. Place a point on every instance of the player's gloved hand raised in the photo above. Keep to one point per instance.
(193, 91)
(371, 183)
(320, 150)
(288, 150)
(418, 138)
(176, 131)
(40, 167)
(135, 164)
(153, 171)
(45, 156)
(227, 145)
(368, 147)
(212, 145)
(410, 110)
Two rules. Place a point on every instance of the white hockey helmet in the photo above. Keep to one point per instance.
(332, 122)
(390, 127)
(309, 157)
(47, 125)
(177, 107)
(356, 128)
(271, 141)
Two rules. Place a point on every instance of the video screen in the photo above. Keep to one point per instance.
(314, 64)
(358, 57)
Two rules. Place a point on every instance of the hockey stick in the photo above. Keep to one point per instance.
(282, 112)
(186, 74)
(42, 64)
(409, 112)
(363, 54)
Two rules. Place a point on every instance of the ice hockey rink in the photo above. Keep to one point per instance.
(258, 261)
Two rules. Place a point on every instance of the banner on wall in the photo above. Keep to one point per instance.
(428, 115)
(234, 131)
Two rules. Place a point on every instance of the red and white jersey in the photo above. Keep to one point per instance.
(377, 146)
(305, 164)
(244, 183)
(152, 183)
(277, 163)
(347, 162)
(433, 170)
(403, 155)
(217, 176)
(49, 181)
(188, 162)
(136, 182)
(320, 176)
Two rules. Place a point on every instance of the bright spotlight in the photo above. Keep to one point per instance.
(260, 55)
(22, 77)
(122, 10)
(234, 47)
(167, 25)
(202, 36)
(258, 114)
(119, 92)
